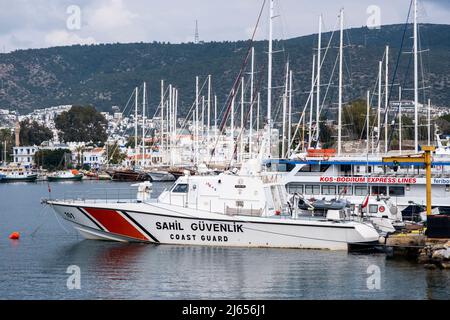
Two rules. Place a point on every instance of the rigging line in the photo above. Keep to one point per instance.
(185, 123)
(233, 91)
(328, 89)
(390, 89)
(255, 97)
(311, 93)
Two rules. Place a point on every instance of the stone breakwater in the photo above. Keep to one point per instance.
(435, 254)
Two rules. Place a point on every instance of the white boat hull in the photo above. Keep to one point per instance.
(161, 176)
(162, 224)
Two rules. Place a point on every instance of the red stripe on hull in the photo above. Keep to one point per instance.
(114, 222)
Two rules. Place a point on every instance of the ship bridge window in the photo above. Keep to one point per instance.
(328, 190)
(373, 208)
(181, 188)
(379, 190)
(284, 167)
(345, 190)
(361, 191)
(397, 191)
(346, 168)
(315, 168)
(312, 189)
(295, 187)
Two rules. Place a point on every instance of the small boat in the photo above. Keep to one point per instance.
(178, 172)
(67, 175)
(19, 174)
(233, 209)
(128, 175)
(97, 175)
(161, 176)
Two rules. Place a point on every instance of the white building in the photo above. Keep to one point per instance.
(24, 156)
(95, 157)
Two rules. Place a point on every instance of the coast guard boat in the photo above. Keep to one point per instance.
(249, 208)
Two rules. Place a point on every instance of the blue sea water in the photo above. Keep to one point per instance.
(35, 267)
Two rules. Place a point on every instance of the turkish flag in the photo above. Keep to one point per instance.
(366, 202)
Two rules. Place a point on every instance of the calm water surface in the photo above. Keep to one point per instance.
(35, 267)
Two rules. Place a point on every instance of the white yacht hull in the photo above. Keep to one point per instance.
(161, 176)
(165, 224)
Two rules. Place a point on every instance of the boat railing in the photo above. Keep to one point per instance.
(123, 195)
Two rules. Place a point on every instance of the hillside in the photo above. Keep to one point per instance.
(105, 75)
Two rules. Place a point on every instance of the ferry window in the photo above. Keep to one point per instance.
(361, 191)
(345, 190)
(324, 167)
(327, 190)
(373, 208)
(312, 189)
(306, 168)
(181, 188)
(378, 190)
(290, 167)
(295, 187)
(396, 191)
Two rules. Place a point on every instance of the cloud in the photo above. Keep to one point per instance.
(110, 15)
(42, 23)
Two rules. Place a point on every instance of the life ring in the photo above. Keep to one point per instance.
(381, 209)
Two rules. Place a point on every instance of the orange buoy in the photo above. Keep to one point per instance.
(15, 236)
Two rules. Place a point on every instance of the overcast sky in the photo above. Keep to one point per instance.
(46, 23)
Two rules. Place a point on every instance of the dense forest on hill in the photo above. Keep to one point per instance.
(105, 75)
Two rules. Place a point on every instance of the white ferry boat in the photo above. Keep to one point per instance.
(248, 208)
(324, 175)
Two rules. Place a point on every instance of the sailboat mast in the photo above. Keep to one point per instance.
(196, 156)
(416, 82)
(319, 67)
(290, 110)
(215, 119)
(232, 117)
(386, 102)
(242, 119)
(162, 120)
(400, 119)
(311, 101)
(209, 110)
(285, 97)
(143, 122)
(258, 108)
(136, 126)
(341, 51)
(269, 77)
(380, 70)
(252, 75)
(368, 122)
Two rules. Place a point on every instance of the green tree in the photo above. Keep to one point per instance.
(82, 124)
(32, 133)
(114, 155)
(327, 135)
(355, 117)
(53, 159)
(8, 137)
